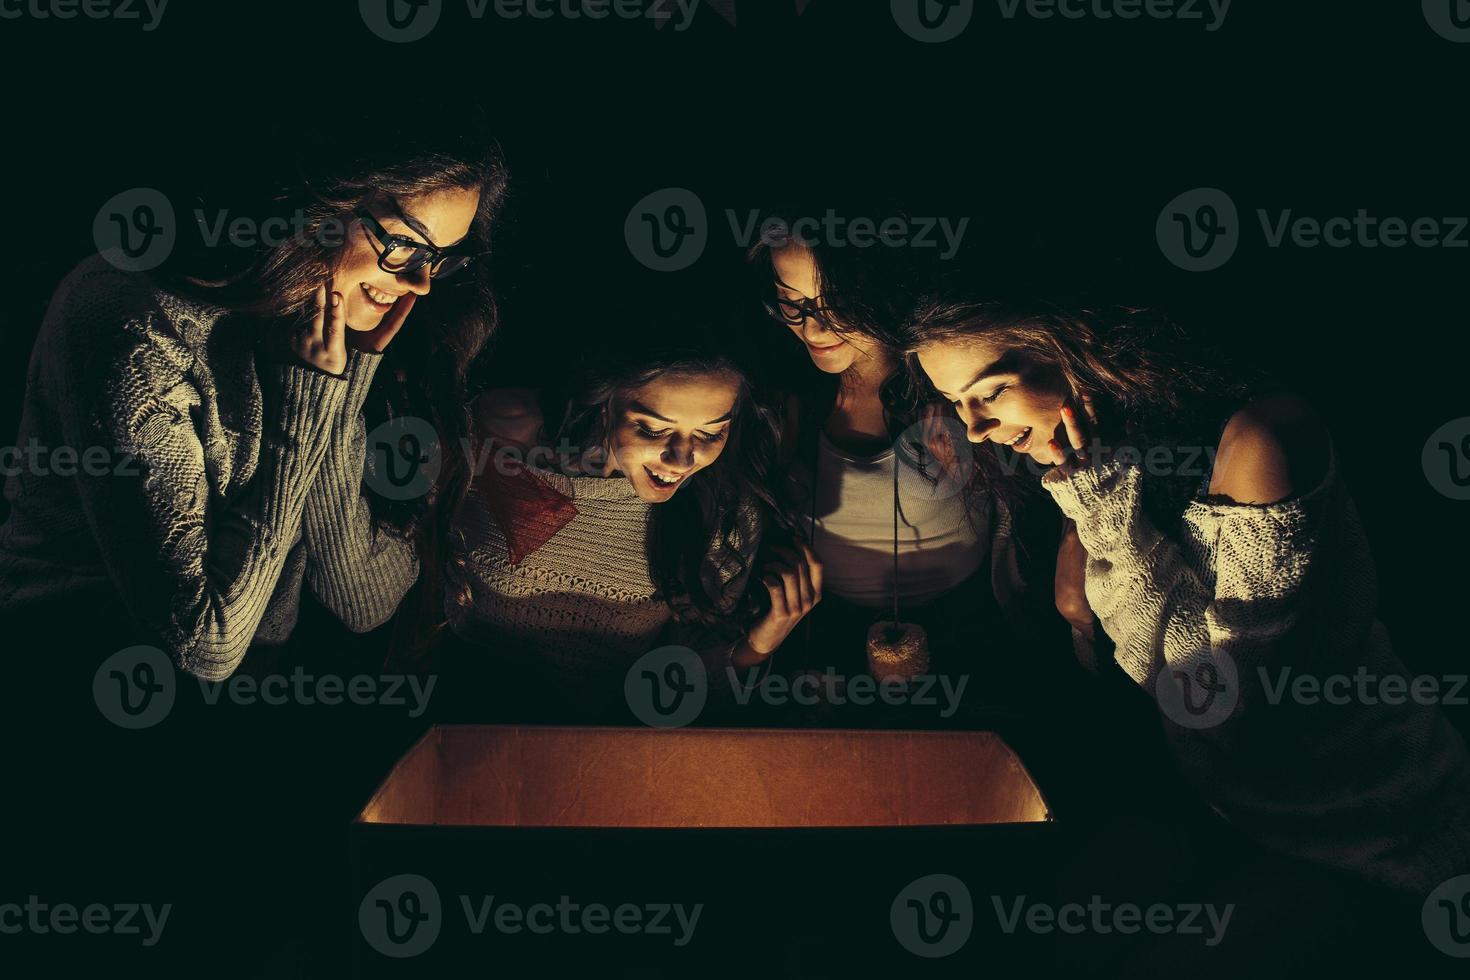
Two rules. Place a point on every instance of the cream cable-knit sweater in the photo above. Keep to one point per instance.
(582, 607)
(1382, 790)
(236, 483)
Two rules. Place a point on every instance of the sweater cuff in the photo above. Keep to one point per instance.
(1100, 499)
(362, 367)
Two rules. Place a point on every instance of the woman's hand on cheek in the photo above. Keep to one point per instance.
(317, 340)
(1071, 458)
(794, 584)
(376, 340)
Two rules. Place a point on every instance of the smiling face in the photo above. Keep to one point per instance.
(1003, 395)
(796, 281)
(671, 428)
(442, 218)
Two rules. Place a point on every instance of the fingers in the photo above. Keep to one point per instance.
(394, 319)
(334, 334)
(814, 566)
(777, 590)
(1074, 430)
(803, 571)
(319, 314)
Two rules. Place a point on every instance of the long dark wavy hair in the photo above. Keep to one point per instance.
(872, 292)
(313, 178)
(1150, 382)
(702, 536)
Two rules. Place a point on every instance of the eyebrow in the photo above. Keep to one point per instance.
(420, 228)
(988, 371)
(643, 409)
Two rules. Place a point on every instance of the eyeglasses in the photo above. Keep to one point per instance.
(794, 313)
(403, 256)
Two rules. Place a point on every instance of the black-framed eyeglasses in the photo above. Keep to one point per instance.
(795, 312)
(404, 256)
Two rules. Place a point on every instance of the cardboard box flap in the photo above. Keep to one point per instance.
(494, 776)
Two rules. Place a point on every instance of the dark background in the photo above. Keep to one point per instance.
(1060, 140)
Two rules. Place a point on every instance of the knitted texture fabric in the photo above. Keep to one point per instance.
(583, 605)
(1267, 594)
(222, 485)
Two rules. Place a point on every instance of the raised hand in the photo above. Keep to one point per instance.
(317, 340)
(794, 583)
(376, 340)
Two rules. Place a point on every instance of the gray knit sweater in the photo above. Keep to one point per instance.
(225, 485)
(1277, 592)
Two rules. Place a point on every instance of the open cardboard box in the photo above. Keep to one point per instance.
(797, 833)
(489, 776)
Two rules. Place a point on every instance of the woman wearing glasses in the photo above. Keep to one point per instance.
(891, 499)
(230, 392)
(619, 509)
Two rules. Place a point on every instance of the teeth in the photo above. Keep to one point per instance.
(1020, 436)
(378, 296)
(663, 480)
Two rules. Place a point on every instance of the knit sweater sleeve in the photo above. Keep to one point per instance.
(1162, 609)
(197, 572)
(358, 570)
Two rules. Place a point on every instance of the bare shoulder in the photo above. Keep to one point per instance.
(509, 415)
(1272, 449)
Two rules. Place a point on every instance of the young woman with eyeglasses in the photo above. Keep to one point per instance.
(889, 494)
(235, 385)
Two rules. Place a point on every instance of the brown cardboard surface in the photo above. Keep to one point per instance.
(511, 776)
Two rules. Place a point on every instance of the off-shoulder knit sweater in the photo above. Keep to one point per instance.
(225, 485)
(1278, 591)
(579, 609)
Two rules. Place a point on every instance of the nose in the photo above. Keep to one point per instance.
(417, 281)
(679, 452)
(977, 426)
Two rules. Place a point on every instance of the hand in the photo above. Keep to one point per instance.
(1070, 459)
(795, 586)
(375, 341)
(1071, 581)
(317, 340)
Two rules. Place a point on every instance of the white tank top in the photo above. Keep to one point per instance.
(937, 546)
